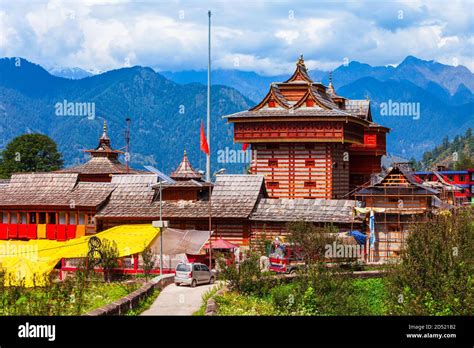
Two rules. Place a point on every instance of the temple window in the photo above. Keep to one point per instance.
(32, 218)
(310, 184)
(51, 218)
(42, 218)
(62, 218)
(309, 163)
(72, 218)
(90, 219)
(273, 163)
(81, 219)
(273, 184)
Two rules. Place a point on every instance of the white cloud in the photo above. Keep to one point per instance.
(259, 35)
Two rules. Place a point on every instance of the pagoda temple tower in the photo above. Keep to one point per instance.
(103, 163)
(308, 141)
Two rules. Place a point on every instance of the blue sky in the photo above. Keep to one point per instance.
(250, 35)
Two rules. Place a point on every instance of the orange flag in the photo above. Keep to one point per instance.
(204, 145)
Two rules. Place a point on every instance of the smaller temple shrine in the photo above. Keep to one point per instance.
(103, 163)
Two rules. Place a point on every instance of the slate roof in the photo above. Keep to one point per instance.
(312, 210)
(233, 196)
(359, 108)
(52, 189)
(132, 196)
(304, 112)
(101, 165)
(413, 187)
(236, 195)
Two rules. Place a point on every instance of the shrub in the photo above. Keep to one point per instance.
(435, 275)
(247, 277)
(285, 298)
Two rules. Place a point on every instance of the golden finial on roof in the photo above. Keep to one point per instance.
(104, 133)
(300, 60)
(331, 90)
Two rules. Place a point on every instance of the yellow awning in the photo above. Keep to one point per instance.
(22, 261)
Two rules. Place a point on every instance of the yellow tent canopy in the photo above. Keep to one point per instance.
(23, 261)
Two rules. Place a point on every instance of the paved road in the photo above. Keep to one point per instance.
(178, 300)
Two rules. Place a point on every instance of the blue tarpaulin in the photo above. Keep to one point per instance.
(359, 236)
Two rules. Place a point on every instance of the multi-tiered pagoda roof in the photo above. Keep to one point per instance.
(104, 161)
(301, 97)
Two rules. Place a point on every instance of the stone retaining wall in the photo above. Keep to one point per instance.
(132, 300)
(211, 306)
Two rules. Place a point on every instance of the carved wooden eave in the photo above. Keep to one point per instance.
(272, 95)
(310, 95)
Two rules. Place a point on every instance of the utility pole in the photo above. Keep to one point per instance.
(127, 145)
(208, 158)
(161, 229)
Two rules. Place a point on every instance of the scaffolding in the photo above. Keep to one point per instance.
(398, 202)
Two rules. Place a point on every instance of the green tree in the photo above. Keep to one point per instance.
(310, 240)
(109, 260)
(148, 258)
(435, 275)
(30, 153)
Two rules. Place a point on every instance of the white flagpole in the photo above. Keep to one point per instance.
(208, 158)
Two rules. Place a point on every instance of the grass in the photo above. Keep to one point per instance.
(369, 299)
(232, 303)
(62, 298)
(205, 297)
(144, 305)
(101, 294)
(372, 293)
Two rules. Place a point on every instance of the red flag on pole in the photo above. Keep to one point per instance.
(203, 144)
(245, 146)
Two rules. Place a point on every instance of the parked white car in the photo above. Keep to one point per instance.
(193, 274)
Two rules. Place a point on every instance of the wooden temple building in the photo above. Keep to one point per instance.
(311, 150)
(92, 197)
(308, 141)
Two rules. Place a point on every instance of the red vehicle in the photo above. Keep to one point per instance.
(285, 257)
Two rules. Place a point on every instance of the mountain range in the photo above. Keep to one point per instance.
(444, 94)
(166, 116)
(167, 108)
